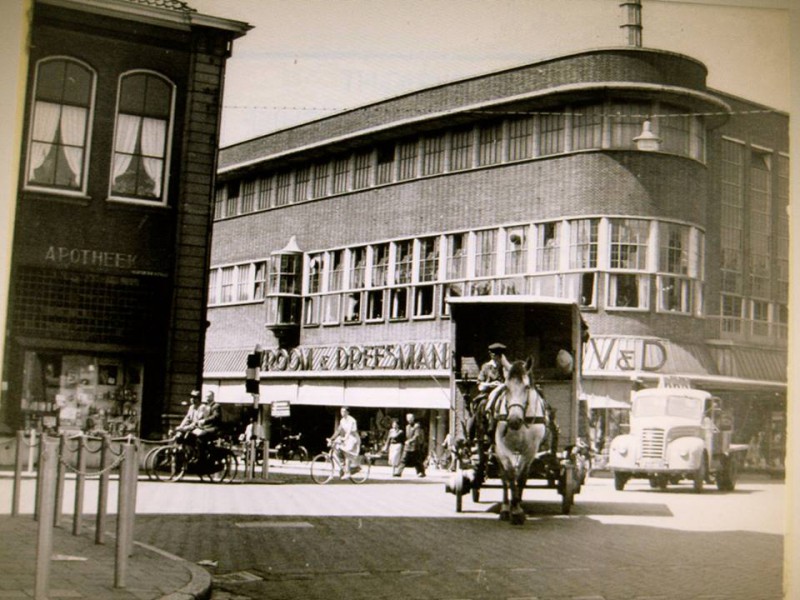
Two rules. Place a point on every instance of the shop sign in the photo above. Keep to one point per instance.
(64, 256)
(281, 408)
(620, 354)
(407, 357)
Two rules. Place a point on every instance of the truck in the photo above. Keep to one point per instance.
(676, 434)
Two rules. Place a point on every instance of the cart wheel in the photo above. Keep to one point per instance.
(568, 490)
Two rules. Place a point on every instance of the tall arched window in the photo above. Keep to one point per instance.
(142, 137)
(60, 125)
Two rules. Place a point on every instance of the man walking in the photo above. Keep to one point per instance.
(413, 448)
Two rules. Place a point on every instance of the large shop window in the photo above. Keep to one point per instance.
(142, 137)
(59, 136)
(82, 392)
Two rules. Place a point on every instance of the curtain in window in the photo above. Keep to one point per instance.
(127, 133)
(154, 132)
(73, 128)
(45, 125)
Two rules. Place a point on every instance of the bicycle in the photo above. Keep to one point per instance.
(171, 462)
(326, 465)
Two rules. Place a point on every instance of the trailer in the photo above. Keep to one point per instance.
(549, 331)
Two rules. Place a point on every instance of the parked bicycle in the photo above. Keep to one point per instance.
(328, 465)
(291, 449)
(215, 460)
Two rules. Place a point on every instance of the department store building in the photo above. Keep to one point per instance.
(611, 177)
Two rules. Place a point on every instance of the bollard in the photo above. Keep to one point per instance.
(265, 461)
(250, 460)
(102, 491)
(37, 493)
(134, 481)
(62, 471)
(48, 461)
(31, 451)
(123, 517)
(80, 482)
(17, 474)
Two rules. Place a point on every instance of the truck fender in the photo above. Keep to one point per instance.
(686, 452)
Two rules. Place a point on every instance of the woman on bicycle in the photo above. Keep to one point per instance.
(346, 442)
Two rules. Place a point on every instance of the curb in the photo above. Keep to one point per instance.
(199, 586)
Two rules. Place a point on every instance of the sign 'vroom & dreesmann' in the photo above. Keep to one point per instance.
(606, 354)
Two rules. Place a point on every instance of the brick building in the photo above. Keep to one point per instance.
(107, 319)
(613, 177)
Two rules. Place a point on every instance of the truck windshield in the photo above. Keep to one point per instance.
(667, 406)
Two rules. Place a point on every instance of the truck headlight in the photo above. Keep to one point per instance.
(685, 454)
(622, 450)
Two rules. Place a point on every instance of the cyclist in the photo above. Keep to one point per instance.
(346, 442)
(193, 418)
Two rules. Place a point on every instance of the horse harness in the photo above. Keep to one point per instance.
(498, 406)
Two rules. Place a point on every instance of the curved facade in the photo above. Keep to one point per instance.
(603, 177)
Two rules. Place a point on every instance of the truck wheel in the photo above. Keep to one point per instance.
(700, 476)
(726, 479)
(620, 479)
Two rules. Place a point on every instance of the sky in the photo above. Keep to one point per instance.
(305, 59)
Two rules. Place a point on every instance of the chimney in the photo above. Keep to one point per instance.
(633, 21)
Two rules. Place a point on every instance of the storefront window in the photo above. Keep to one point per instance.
(82, 392)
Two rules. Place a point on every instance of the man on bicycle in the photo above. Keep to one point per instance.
(346, 442)
(192, 420)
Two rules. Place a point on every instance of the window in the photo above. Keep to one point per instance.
(243, 283)
(219, 202)
(311, 311)
(321, 179)
(457, 256)
(341, 169)
(760, 221)
(380, 264)
(551, 134)
(226, 284)
(264, 197)
(399, 303)
(782, 230)
(485, 252)
(731, 311)
(760, 315)
(547, 246)
(673, 256)
(212, 286)
(675, 294)
(583, 244)
(60, 125)
(232, 199)
(424, 300)
(330, 309)
(628, 290)
(259, 280)
(407, 157)
(732, 217)
(461, 150)
(352, 307)
(285, 274)
(375, 300)
(490, 138)
(433, 155)
(429, 259)
(629, 240)
(336, 274)
(626, 123)
(358, 267)
(402, 262)
(283, 185)
(142, 136)
(516, 250)
(316, 268)
(302, 184)
(362, 175)
(587, 127)
(674, 127)
(385, 164)
(248, 193)
(520, 137)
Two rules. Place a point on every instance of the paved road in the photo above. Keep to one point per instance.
(290, 539)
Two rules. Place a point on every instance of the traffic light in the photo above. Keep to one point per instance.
(252, 374)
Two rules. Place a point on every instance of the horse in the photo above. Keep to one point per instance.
(520, 429)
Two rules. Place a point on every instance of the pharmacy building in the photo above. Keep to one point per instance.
(613, 178)
(114, 204)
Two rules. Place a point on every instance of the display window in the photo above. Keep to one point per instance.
(82, 392)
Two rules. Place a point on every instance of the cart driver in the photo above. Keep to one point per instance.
(491, 376)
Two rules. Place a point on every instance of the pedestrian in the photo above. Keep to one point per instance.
(413, 447)
(394, 446)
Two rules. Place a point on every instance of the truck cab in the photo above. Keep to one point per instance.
(676, 433)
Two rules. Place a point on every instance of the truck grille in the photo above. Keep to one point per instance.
(652, 443)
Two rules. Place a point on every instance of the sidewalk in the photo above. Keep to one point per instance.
(82, 569)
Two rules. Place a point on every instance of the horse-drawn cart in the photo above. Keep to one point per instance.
(535, 418)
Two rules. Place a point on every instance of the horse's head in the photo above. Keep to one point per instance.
(518, 387)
